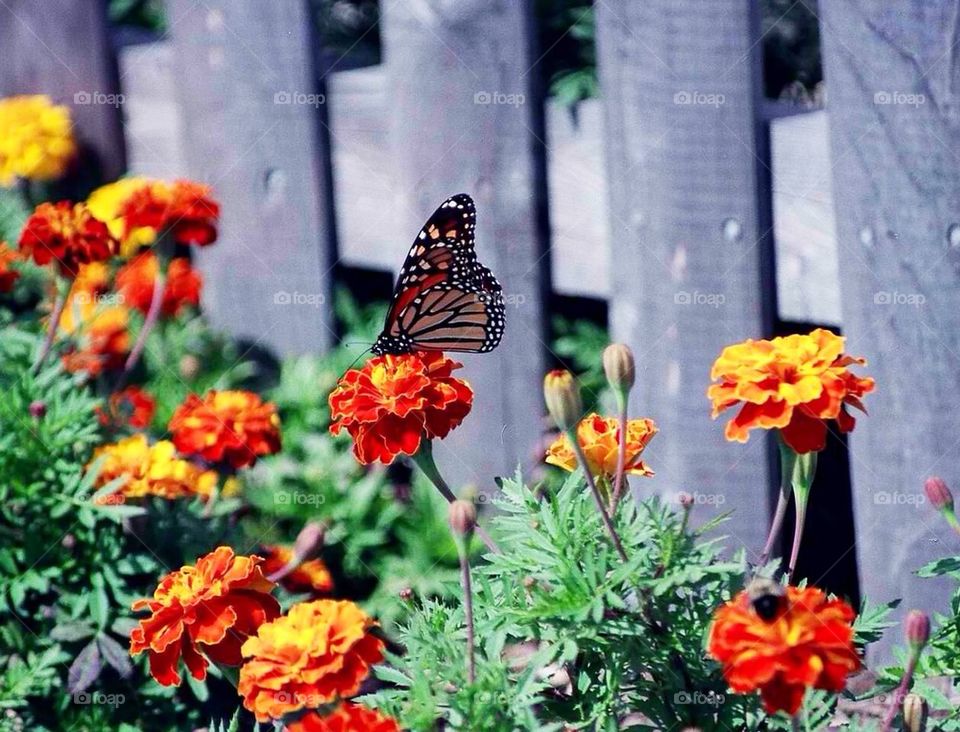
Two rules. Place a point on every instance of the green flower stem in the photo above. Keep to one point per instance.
(904, 686)
(467, 605)
(424, 460)
(163, 249)
(619, 482)
(788, 459)
(804, 470)
(607, 523)
(950, 515)
(58, 305)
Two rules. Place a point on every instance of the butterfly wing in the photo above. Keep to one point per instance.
(445, 300)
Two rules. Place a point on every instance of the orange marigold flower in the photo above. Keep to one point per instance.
(135, 281)
(152, 470)
(801, 640)
(184, 208)
(319, 652)
(67, 233)
(232, 426)
(347, 717)
(205, 610)
(393, 402)
(794, 383)
(309, 576)
(103, 338)
(599, 438)
(8, 275)
(130, 407)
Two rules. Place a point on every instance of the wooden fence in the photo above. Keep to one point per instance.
(702, 212)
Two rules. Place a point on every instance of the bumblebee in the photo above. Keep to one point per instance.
(767, 597)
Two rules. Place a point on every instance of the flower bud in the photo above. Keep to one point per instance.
(915, 712)
(462, 517)
(406, 594)
(38, 409)
(917, 627)
(938, 493)
(619, 366)
(189, 367)
(562, 395)
(309, 541)
(686, 500)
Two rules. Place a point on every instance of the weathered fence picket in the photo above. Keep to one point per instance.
(690, 231)
(466, 118)
(895, 127)
(251, 105)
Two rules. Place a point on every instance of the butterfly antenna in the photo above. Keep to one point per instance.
(363, 353)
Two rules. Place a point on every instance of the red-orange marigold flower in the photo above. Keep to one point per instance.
(318, 653)
(347, 717)
(309, 576)
(236, 427)
(808, 641)
(135, 281)
(390, 404)
(8, 275)
(205, 610)
(794, 383)
(184, 208)
(67, 233)
(130, 407)
(599, 437)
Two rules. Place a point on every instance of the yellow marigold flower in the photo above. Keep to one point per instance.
(152, 470)
(36, 141)
(107, 202)
(599, 438)
(320, 652)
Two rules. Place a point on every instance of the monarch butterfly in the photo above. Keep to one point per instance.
(445, 300)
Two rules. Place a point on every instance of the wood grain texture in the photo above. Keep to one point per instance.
(893, 72)
(253, 121)
(42, 54)
(689, 224)
(465, 117)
